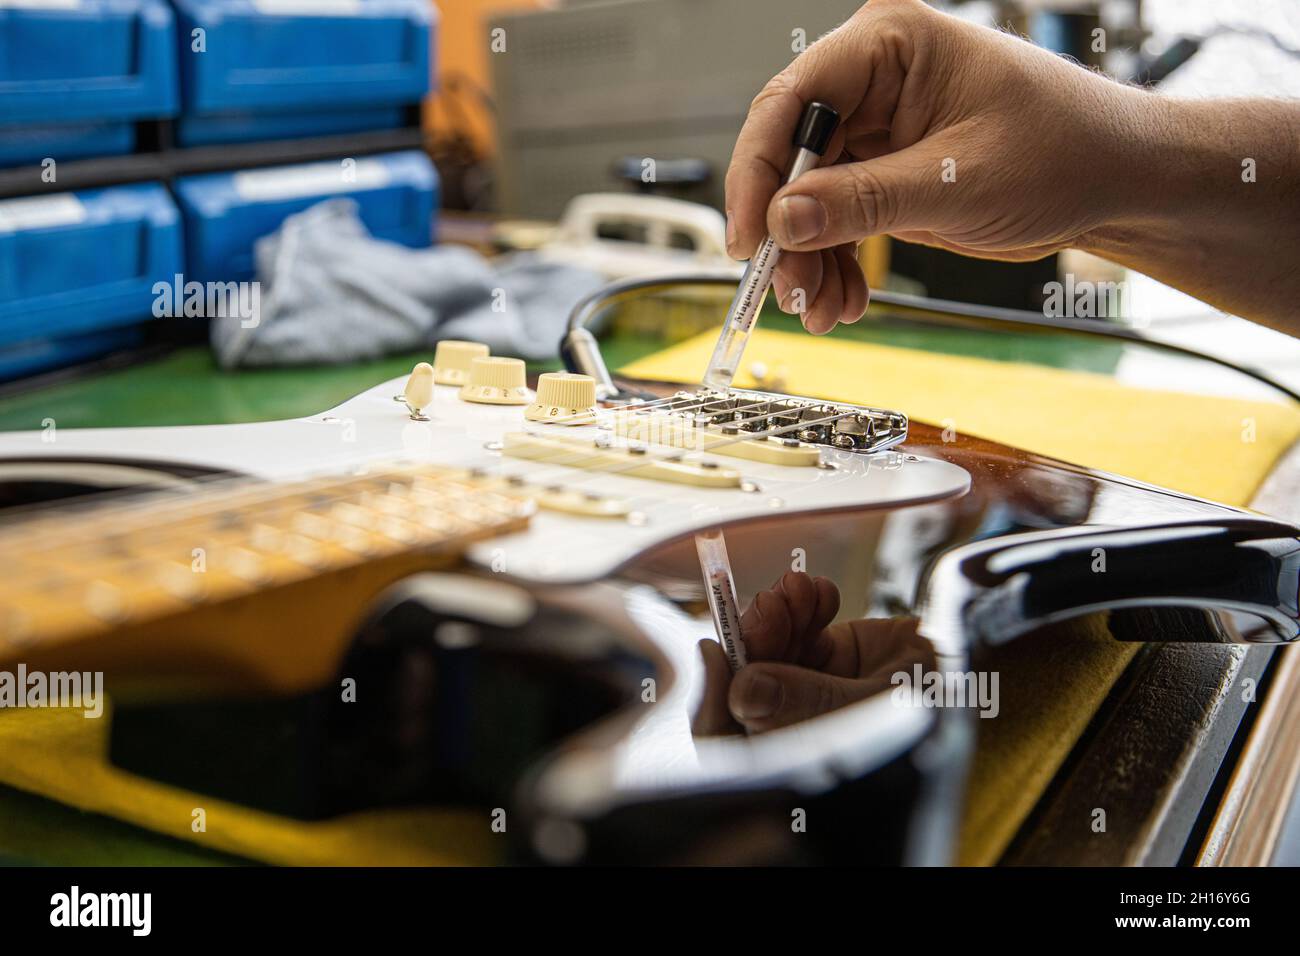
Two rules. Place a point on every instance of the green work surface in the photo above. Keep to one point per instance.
(186, 387)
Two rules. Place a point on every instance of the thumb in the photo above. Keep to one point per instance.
(765, 696)
(847, 202)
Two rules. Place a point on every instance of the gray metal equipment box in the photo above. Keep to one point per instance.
(583, 87)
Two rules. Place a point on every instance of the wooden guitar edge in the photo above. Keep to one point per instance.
(1246, 829)
(1253, 811)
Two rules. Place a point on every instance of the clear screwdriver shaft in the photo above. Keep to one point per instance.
(748, 303)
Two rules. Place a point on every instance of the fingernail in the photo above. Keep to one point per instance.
(760, 698)
(784, 296)
(803, 217)
(731, 235)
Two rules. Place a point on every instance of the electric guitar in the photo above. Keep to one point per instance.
(267, 559)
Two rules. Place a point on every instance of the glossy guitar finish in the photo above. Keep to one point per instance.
(560, 546)
(1017, 552)
(981, 542)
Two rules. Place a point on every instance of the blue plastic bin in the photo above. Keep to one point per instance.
(74, 79)
(21, 145)
(74, 265)
(44, 355)
(225, 213)
(284, 69)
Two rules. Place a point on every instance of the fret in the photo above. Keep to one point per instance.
(79, 570)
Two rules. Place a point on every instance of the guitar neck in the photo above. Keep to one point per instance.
(75, 574)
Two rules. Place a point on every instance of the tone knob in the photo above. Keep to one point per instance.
(418, 393)
(496, 381)
(452, 358)
(564, 398)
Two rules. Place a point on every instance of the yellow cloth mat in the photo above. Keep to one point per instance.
(1212, 447)
(1192, 443)
(60, 754)
(1175, 440)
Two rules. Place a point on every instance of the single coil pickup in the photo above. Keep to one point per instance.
(697, 434)
(629, 460)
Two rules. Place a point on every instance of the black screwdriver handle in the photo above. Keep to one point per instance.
(816, 127)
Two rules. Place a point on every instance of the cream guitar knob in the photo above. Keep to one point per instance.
(496, 381)
(564, 398)
(452, 358)
(418, 393)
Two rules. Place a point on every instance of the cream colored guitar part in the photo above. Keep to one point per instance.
(677, 432)
(452, 359)
(564, 398)
(418, 393)
(598, 507)
(632, 460)
(496, 381)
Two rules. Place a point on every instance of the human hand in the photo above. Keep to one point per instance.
(799, 667)
(951, 134)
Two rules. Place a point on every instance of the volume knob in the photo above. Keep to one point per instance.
(452, 358)
(496, 381)
(564, 398)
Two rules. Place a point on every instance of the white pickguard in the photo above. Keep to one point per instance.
(558, 547)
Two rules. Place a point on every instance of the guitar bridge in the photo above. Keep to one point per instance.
(735, 412)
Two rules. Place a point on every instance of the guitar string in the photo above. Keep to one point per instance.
(597, 474)
(704, 398)
(581, 451)
(104, 502)
(258, 491)
(113, 503)
(157, 507)
(250, 493)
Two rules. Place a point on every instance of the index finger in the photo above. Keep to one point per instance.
(764, 146)
(712, 717)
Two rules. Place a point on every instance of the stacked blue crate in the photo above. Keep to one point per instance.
(226, 213)
(78, 270)
(75, 77)
(283, 69)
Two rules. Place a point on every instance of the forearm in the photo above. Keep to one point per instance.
(1209, 203)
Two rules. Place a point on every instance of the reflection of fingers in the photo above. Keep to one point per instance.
(765, 627)
(766, 696)
(713, 719)
(817, 646)
(889, 644)
(865, 647)
(801, 598)
(828, 605)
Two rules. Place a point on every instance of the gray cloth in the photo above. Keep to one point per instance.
(332, 293)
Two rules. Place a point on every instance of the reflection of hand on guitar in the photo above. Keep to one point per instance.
(799, 666)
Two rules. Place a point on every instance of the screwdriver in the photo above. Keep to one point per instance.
(816, 127)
